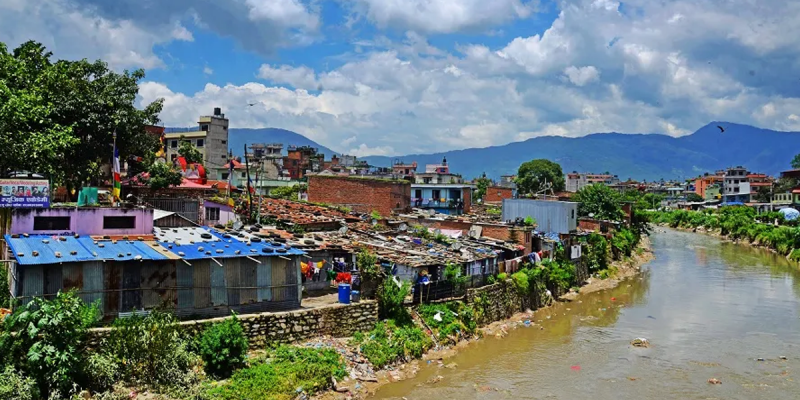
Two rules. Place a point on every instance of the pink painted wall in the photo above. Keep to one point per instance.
(225, 213)
(83, 221)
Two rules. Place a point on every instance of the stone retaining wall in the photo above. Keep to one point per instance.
(263, 330)
(501, 301)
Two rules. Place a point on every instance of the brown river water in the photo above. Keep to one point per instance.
(709, 309)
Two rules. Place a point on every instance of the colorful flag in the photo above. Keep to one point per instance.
(250, 186)
(117, 179)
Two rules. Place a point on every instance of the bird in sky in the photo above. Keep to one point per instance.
(251, 104)
(721, 129)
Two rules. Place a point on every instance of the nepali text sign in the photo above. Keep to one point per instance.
(24, 193)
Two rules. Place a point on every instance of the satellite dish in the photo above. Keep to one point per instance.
(403, 227)
(343, 230)
(237, 225)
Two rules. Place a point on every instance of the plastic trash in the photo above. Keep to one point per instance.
(438, 317)
(527, 322)
(640, 342)
(714, 381)
(575, 367)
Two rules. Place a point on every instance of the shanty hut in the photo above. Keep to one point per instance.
(193, 271)
(219, 272)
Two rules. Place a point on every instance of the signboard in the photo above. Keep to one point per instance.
(576, 252)
(24, 193)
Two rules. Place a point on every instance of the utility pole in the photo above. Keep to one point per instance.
(249, 192)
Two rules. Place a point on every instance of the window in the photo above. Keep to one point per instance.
(224, 176)
(417, 193)
(224, 141)
(224, 156)
(212, 213)
(173, 144)
(200, 143)
(204, 128)
(51, 223)
(437, 194)
(244, 174)
(119, 222)
(426, 180)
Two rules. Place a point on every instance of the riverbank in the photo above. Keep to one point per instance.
(364, 380)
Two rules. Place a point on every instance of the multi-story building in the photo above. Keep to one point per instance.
(210, 137)
(577, 181)
(736, 186)
(702, 183)
(402, 169)
(303, 159)
(440, 190)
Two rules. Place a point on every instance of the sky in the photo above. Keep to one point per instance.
(393, 77)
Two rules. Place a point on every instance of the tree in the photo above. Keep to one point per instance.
(482, 184)
(190, 153)
(763, 195)
(796, 162)
(532, 175)
(600, 202)
(694, 197)
(58, 118)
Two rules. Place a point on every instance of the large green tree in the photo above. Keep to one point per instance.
(600, 202)
(482, 184)
(57, 118)
(533, 174)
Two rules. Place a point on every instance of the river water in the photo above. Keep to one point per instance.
(709, 308)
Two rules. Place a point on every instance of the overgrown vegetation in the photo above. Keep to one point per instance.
(391, 295)
(738, 223)
(45, 341)
(282, 375)
(455, 320)
(223, 347)
(5, 293)
(388, 343)
(288, 192)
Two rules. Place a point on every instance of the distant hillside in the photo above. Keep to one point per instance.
(637, 156)
(237, 138)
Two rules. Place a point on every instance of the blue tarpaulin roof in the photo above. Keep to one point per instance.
(121, 250)
(228, 247)
(790, 214)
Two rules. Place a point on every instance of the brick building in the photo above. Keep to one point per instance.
(361, 194)
(496, 194)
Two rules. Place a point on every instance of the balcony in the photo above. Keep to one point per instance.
(442, 203)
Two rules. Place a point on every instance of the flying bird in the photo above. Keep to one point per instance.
(251, 104)
(721, 129)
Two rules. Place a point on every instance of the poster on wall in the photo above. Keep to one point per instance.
(24, 193)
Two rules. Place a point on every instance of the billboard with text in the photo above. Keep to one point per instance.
(24, 193)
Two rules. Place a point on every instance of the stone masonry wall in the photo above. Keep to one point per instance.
(361, 195)
(501, 301)
(263, 330)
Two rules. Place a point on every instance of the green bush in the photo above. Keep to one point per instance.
(388, 343)
(521, 282)
(223, 347)
(5, 294)
(102, 372)
(15, 386)
(502, 276)
(458, 320)
(150, 350)
(391, 297)
(287, 370)
(795, 255)
(491, 280)
(46, 339)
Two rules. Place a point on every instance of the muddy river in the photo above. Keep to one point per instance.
(709, 309)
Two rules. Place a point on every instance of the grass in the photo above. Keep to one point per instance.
(388, 343)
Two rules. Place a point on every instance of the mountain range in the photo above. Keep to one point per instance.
(637, 156)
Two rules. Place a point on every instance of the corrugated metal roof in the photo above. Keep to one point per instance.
(158, 214)
(71, 249)
(219, 245)
(49, 249)
(551, 216)
(122, 250)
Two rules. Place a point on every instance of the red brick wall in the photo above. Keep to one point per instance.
(361, 195)
(466, 195)
(497, 194)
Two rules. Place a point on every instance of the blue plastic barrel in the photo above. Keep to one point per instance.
(355, 296)
(344, 293)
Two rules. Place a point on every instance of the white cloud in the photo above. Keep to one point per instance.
(292, 12)
(298, 77)
(581, 76)
(207, 70)
(441, 16)
(74, 34)
(363, 150)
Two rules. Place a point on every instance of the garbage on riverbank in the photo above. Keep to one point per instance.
(640, 342)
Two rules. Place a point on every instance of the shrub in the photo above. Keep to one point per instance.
(457, 319)
(46, 339)
(101, 372)
(287, 370)
(367, 264)
(491, 280)
(521, 282)
(529, 221)
(502, 276)
(150, 350)
(223, 347)
(391, 296)
(5, 295)
(388, 343)
(15, 386)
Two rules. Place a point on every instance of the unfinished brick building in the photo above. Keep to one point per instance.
(361, 194)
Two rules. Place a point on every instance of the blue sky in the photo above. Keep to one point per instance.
(393, 77)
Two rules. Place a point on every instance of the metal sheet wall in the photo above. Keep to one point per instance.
(551, 216)
(264, 279)
(93, 282)
(32, 279)
(248, 281)
(232, 281)
(185, 280)
(202, 283)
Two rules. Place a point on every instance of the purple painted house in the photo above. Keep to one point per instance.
(83, 221)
